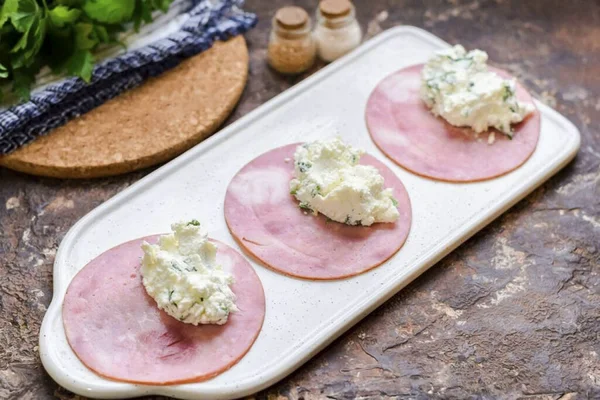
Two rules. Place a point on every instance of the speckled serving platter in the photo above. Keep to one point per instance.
(302, 316)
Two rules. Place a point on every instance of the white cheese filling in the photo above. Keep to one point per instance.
(329, 180)
(181, 275)
(458, 87)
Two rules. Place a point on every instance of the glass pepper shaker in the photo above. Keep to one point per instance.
(292, 48)
(337, 31)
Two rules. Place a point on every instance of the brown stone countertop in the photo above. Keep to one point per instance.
(513, 313)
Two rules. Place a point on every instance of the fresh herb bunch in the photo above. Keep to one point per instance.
(62, 34)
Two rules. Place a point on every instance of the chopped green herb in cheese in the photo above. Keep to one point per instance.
(329, 180)
(180, 273)
(457, 86)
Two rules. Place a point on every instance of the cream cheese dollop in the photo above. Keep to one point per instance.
(181, 274)
(329, 180)
(457, 86)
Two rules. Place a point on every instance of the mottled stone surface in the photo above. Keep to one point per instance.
(513, 313)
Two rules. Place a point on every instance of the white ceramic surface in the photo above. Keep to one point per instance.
(302, 316)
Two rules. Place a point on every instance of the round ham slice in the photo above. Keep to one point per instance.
(403, 128)
(265, 219)
(117, 331)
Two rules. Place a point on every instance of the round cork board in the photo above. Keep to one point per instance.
(144, 126)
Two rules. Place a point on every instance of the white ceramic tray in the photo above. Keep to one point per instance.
(302, 316)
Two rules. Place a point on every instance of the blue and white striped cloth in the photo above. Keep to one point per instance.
(59, 102)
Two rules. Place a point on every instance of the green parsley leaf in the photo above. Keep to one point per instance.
(81, 64)
(36, 34)
(162, 5)
(142, 12)
(30, 20)
(21, 44)
(109, 11)
(102, 34)
(85, 37)
(24, 16)
(63, 15)
(70, 3)
(22, 81)
(194, 222)
(8, 8)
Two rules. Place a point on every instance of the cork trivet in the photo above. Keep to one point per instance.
(144, 126)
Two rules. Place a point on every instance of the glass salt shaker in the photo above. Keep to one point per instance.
(292, 48)
(337, 32)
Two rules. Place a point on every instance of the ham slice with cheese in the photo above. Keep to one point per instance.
(117, 331)
(403, 128)
(266, 220)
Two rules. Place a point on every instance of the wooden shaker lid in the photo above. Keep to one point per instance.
(335, 8)
(291, 17)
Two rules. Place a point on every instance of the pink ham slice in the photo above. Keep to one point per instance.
(266, 220)
(406, 131)
(117, 331)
